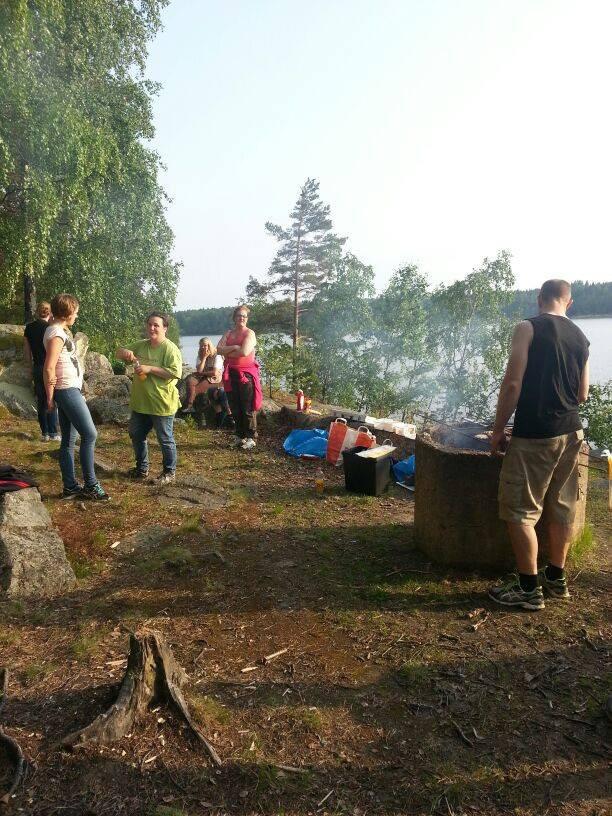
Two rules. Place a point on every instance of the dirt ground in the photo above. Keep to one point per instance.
(401, 690)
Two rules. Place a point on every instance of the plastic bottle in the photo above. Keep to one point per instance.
(299, 400)
(141, 375)
(319, 484)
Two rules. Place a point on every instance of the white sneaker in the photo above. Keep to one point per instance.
(45, 438)
(55, 438)
(165, 479)
(248, 444)
(236, 442)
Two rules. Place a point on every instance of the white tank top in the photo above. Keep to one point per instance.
(67, 369)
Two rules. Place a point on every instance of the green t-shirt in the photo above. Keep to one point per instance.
(155, 395)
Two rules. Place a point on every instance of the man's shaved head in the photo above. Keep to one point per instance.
(556, 289)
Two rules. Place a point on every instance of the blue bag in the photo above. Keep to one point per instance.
(306, 443)
(403, 469)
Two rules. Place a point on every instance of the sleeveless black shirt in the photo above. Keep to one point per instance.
(548, 404)
(35, 331)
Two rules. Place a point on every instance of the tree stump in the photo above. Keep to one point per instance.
(152, 676)
(12, 748)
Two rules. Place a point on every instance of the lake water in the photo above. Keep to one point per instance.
(597, 329)
(599, 333)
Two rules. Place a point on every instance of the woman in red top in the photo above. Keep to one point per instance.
(241, 377)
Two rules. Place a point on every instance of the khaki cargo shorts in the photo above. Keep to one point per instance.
(538, 473)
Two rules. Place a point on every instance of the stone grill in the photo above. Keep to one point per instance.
(455, 516)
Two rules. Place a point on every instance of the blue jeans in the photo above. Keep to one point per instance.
(74, 417)
(46, 419)
(138, 429)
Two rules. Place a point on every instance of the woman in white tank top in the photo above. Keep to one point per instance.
(63, 380)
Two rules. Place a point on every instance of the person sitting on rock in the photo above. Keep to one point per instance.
(207, 380)
(34, 352)
(154, 398)
(63, 378)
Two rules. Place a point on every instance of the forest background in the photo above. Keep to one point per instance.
(412, 350)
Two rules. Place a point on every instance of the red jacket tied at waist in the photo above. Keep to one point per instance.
(252, 368)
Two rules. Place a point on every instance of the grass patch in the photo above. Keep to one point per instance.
(85, 569)
(413, 674)
(164, 810)
(240, 495)
(8, 637)
(99, 541)
(14, 609)
(174, 558)
(191, 525)
(270, 778)
(582, 546)
(208, 711)
(86, 644)
(309, 717)
(34, 672)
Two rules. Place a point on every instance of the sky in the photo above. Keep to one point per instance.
(441, 131)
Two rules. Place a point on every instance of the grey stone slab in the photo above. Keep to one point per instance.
(33, 560)
(23, 508)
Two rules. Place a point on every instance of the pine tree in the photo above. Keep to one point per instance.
(304, 259)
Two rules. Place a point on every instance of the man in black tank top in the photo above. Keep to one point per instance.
(546, 380)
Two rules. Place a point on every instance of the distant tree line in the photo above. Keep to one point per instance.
(204, 321)
(589, 299)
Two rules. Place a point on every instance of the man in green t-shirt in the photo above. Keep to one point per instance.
(154, 400)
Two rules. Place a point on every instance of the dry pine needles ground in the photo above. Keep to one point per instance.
(389, 686)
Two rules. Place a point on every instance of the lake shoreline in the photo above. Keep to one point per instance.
(598, 330)
(590, 317)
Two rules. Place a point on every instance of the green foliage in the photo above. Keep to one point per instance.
(401, 346)
(597, 411)
(307, 246)
(337, 321)
(472, 337)
(82, 209)
(303, 262)
(403, 351)
(275, 357)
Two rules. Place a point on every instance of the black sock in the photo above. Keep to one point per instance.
(528, 582)
(554, 573)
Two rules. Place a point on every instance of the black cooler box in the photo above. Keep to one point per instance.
(368, 476)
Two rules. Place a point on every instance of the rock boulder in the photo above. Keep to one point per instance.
(117, 386)
(105, 410)
(97, 365)
(18, 399)
(11, 343)
(81, 342)
(33, 560)
(16, 373)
